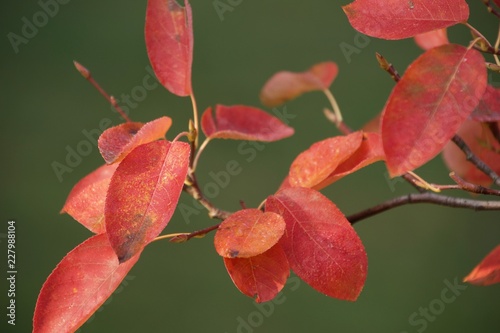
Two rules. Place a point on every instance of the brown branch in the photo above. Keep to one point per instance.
(471, 157)
(491, 9)
(427, 197)
(194, 190)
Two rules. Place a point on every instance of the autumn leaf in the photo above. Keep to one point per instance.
(240, 122)
(247, 233)
(285, 86)
(315, 164)
(169, 43)
(432, 39)
(85, 202)
(370, 151)
(79, 285)
(483, 144)
(321, 245)
(116, 142)
(429, 104)
(143, 194)
(262, 276)
(398, 19)
(488, 108)
(488, 270)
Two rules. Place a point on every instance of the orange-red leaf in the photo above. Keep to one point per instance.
(321, 246)
(483, 144)
(169, 43)
(262, 276)
(284, 86)
(80, 283)
(488, 270)
(315, 164)
(240, 122)
(429, 104)
(116, 142)
(398, 19)
(488, 108)
(247, 233)
(432, 39)
(85, 202)
(369, 152)
(143, 194)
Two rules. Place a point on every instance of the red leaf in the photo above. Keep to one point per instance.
(116, 142)
(488, 108)
(284, 86)
(426, 108)
(169, 43)
(483, 144)
(315, 164)
(398, 19)
(369, 152)
(321, 246)
(488, 270)
(143, 194)
(262, 276)
(248, 233)
(79, 285)
(432, 39)
(241, 122)
(85, 202)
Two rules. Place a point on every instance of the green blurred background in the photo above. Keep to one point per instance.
(46, 105)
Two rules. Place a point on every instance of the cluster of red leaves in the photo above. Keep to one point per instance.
(129, 201)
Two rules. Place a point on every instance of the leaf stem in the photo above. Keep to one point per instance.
(198, 154)
(185, 236)
(195, 116)
(88, 76)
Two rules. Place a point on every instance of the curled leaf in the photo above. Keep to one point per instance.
(116, 142)
(79, 285)
(428, 105)
(247, 233)
(85, 202)
(143, 195)
(488, 270)
(398, 19)
(315, 164)
(321, 245)
(169, 43)
(370, 151)
(240, 122)
(285, 86)
(262, 276)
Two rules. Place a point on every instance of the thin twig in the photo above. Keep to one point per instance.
(471, 157)
(88, 76)
(427, 197)
(473, 188)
